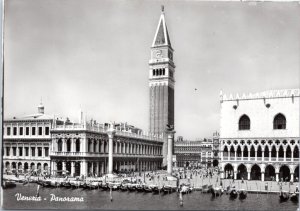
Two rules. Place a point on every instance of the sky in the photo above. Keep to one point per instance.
(93, 55)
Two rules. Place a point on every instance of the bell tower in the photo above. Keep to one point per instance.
(161, 83)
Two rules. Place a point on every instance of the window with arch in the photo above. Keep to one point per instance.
(279, 122)
(244, 123)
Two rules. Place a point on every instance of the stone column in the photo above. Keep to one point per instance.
(72, 168)
(276, 155)
(277, 176)
(248, 174)
(270, 155)
(284, 155)
(262, 176)
(234, 154)
(64, 165)
(249, 154)
(64, 145)
(292, 155)
(83, 168)
(170, 151)
(235, 174)
(292, 177)
(262, 155)
(111, 132)
(255, 151)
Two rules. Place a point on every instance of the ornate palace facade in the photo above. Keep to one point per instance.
(260, 135)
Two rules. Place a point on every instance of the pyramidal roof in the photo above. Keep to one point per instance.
(161, 36)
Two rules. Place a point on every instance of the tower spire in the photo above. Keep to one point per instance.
(161, 37)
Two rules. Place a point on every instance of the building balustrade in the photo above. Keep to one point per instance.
(103, 130)
(280, 159)
(95, 154)
(266, 159)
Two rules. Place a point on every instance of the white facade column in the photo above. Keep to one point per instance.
(276, 155)
(35, 151)
(83, 168)
(255, 151)
(277, 176)
(111, 132)
(270, 155)
(262, 176)
(292, 177)
(63, 165)
(170, 151)
(262, 155)
(72, 168)
(64, 145)
(284, 155)
(248, 172)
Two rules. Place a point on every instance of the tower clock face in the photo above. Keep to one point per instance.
(158, 53)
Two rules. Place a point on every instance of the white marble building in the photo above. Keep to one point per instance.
(259, 135)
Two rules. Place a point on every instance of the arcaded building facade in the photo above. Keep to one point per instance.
(259, 135)
(82, 149)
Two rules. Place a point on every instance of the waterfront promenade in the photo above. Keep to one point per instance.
(196, 180)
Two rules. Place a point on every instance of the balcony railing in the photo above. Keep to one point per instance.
(95, 154)
(265, 159)
(88, 127)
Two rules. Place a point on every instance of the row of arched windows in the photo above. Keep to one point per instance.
(252, 150)
(157, 72)
(279, 122)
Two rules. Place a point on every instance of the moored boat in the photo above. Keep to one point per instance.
(169, 189)
(9, 184)
(233, 193)
(283, 196)
(131, 187)
(295, 197)
(185, 188)
(140, 187)
(155, 189)
(216, 191)
(147, 188)
(242, 193)
(123, 187)
(66, 184)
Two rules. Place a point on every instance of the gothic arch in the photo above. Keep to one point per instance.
(266, 151)
(244, 122)
(279, 122)
(255, 172)
(280, 152)
(259, 151)
(245, 153)
(225, 151)
(288, 151)
(270, 173)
